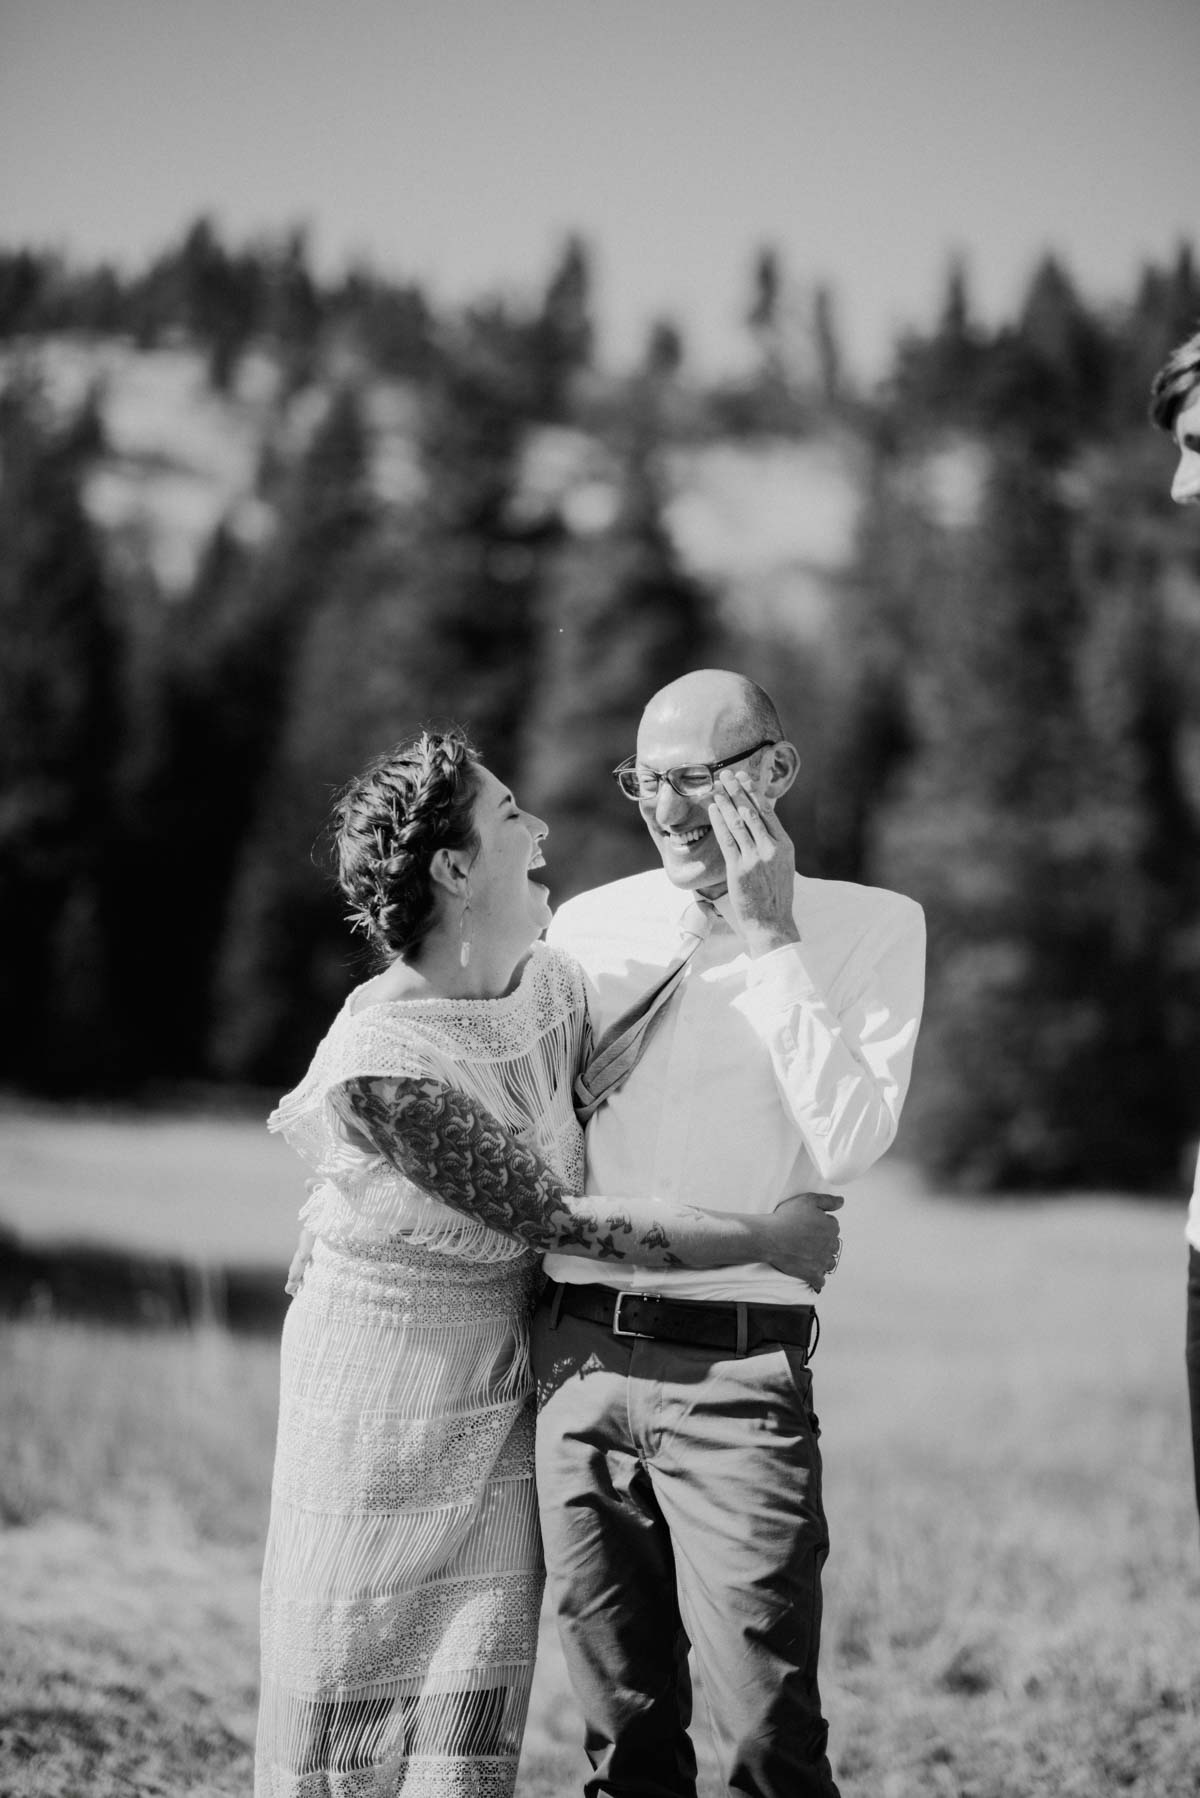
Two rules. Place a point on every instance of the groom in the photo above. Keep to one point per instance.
(678, 1470)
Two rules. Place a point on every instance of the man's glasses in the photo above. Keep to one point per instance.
(696, 782)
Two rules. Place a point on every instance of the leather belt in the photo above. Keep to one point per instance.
(735, 1327)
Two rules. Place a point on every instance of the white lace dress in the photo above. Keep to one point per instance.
(403, 1575)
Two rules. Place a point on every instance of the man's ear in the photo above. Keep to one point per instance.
(446, 870)
(781, 767)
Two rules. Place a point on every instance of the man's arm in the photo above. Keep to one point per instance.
(450, 1147)
(842, 1075)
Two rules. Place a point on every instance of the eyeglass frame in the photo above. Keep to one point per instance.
(629, 766)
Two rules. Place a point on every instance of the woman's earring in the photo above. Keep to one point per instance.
(464, 941)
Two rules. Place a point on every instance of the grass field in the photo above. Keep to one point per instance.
(1013, 1594)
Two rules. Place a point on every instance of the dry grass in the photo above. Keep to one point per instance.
(133, 1481)
(1010, 1605)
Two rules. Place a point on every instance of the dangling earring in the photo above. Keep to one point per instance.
(464, 941)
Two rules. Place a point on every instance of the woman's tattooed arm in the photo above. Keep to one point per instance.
(447, 1144)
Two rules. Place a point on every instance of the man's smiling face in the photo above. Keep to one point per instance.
(681, 736)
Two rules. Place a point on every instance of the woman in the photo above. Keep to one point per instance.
(402, 1578)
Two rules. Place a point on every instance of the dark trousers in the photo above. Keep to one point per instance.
(1193, 1358)
(680, 1492)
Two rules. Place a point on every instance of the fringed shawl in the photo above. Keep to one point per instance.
(516, 1055)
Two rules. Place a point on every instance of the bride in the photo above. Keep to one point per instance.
(402, 1578)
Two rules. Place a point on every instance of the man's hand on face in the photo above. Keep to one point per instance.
(806, 1239)
(760, 863)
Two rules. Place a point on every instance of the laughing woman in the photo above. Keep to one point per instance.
(402, 1577)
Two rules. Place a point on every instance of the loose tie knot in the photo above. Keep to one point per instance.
(698, 919)
(616, 1053)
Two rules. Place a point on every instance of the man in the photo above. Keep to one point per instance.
(1175, 409)
(678, 1470)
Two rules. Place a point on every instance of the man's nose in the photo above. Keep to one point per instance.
(1185, 488)
(669, 807)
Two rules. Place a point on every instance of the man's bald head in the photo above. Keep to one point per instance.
(728, 706)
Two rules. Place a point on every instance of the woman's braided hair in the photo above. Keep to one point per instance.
(387, 824)
(1175, 382)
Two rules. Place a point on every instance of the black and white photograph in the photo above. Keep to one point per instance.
(599, 899)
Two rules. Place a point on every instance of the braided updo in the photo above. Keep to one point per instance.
(387, 824)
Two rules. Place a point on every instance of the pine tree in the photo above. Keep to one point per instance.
(1164, 311)
(665, 351)
(59, 681)
(217, 298)
(293, 311)
(22, 284)
(260, 631)
(781, 396)
(562, 335)
(362, 682)
(417, 620)
(201, 704)
(1023, 838)
(1047, 379)
(830, 371)
(879, 629)
(619, 619)
(764, 313)
(475, 565)
(936, 379)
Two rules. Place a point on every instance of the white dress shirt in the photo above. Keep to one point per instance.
(763, 1077)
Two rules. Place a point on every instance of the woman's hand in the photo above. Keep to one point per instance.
(803, 1238)
(300, 1260)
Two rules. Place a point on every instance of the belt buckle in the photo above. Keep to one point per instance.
(628, 1292)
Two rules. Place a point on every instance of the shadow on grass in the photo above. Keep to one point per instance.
(80, 1282)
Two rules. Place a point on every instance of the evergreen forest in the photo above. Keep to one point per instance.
(462, 514)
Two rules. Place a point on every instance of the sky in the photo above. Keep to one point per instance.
(458, 142)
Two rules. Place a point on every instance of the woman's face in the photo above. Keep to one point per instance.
(1186, 486)
(506, 904)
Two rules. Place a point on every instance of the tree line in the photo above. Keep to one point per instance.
(1000, 720)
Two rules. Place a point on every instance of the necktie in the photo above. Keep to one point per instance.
(617, 1052)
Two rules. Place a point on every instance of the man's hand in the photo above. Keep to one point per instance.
(300, 1260)
(806, 1241)
(760, 863)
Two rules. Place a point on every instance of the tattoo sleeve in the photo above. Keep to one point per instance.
(451, 1147)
